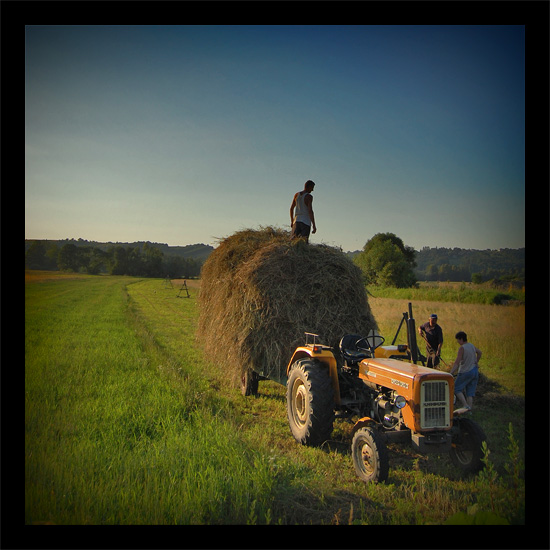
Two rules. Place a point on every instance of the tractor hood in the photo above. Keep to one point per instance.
(397, 374)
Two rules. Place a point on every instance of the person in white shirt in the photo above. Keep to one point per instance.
(466, 362)
(304, 220)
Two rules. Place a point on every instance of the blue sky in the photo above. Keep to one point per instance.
(186, 134)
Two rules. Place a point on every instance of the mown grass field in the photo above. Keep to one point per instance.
(127, 423)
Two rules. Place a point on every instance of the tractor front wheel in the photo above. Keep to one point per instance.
(466, 451)
(370, 455)
(310, 402)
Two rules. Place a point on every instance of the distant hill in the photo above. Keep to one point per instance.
(459, 264)
(142, 259)
(197, 252)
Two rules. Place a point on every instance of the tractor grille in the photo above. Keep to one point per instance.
(434, 404)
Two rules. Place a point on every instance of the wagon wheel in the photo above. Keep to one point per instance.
(249, 382)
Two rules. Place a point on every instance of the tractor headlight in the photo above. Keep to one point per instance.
(399, 401)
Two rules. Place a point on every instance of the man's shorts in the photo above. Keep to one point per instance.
(300, 229)
(467, 382)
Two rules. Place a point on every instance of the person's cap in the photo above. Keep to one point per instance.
(433, 316)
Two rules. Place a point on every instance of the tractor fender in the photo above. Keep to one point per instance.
(361, 423)
(300, 353)
(323, 355)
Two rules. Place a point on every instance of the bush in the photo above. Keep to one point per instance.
(499, 299)
(386, 261)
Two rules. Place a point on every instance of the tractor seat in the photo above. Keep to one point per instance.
(348, 348)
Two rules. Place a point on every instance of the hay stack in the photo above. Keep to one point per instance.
(260, 292)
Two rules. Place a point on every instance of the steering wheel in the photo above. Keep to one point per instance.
(373, 346)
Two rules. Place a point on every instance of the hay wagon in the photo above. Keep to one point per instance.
(260, 291)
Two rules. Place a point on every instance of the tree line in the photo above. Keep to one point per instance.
(144, 260)
(458, 264)
(386, 261)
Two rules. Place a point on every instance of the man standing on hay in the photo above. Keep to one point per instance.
(304, 220)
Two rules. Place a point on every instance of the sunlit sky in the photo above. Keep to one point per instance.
(186, 134)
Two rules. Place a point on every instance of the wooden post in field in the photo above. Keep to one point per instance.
(184, 287)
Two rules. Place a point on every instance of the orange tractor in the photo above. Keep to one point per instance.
(393, 398)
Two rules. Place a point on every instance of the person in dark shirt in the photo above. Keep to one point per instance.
(434, 340)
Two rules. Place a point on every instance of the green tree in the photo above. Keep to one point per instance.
(118, 260)
(152, 261)
(386, 261)
(96, 260)
(35, 256)
(477, 278)
(135, 261)
(69, 258)
(431, 273)
(52, 252)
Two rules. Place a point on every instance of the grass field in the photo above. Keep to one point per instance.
(126, 423)
(498, 331)
(462, 293)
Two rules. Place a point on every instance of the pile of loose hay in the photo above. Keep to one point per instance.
(260, 291)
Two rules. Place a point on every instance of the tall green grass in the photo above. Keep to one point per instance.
(117, 430)
(126, 423)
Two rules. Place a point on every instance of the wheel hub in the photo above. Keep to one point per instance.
(300, 403)
(366, 455)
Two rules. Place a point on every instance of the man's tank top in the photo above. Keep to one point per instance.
(469, 358)
(302, 214)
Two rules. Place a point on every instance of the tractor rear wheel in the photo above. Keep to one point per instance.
(370, 455)
(310, 402)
